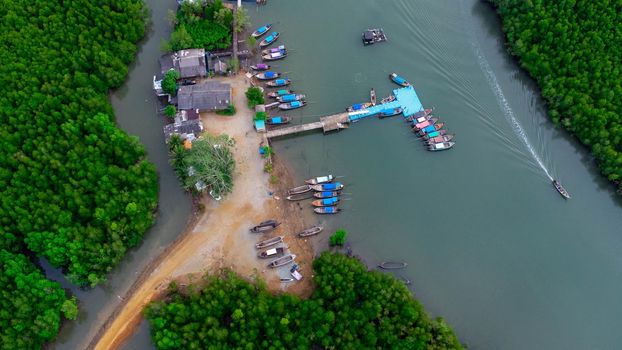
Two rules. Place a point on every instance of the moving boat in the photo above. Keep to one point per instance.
(269, 242)
(260, 66)
(398, 80)
(326, 194)
(282, 260)
(385, 113)
(326, 210)
(292, 105)
(271, 253)
(419, 126)
(373, 35)
(561, 189)
(419, 114)
(261, 31)
(278, 120)
(299, 189)
(392, 265)
(431, 128)
(320, 180)
(358, 107)
(434, 134)
(275, 94)
(326, 202)
(274, 49)
(267, 75)
(439, 139)
(269, 39)
(279, 82)
(441, 146)
(290, 98)
(337, 186)
(310, 231)
(273, 56)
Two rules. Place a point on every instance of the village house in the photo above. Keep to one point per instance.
(189, 63)
(208, 96)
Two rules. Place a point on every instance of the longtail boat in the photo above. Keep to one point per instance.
(278, 120)
(419, 114)
(279, 82)
(320, 180)
(271, 253)
(269, 39)
(431, 128)
(387, 99)
(273, 50)
(260, 66)
(269, 75)
(441, 146)
(398, 80)
(434, 134)
(561, 189)
(292, 105)
(428, 122)
(326, 194)
(261, 30)
(390, 112)
(269, 242)
(282, 261)
(358, 107)
(290, 98)
(275, 94)
(300, 196)
(299, 189)
(439, 139)
(273, 56)
(328, 187)
(265, 226)
(326, 210)
(392, 265)
(310, 231)
(326, 202)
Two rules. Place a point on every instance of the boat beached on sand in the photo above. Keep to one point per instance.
(441, 146)
(320, 180)
(326, 210)
(261, 30)
(282, 261)
(398, 80)
(561, 189)
(271, 253)
(265, 226)
(269, 39)
(300, 196)
(299, 189)
(310, 231)
(269, 242)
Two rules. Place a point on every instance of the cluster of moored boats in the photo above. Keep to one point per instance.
(285, 99)
(324, 192)
(427, 126)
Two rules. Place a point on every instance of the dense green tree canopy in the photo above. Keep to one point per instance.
(351, 308)
(73, 187)
(201, 25)
(573, 48)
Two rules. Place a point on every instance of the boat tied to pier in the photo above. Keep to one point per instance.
(434, 134)
(439, 139)
(419, 114)
(358, 107)
(292, 105)
(562, 191)
(419, 126)
(431, 128)
(278, 120)
(385, 113)
(312, 231)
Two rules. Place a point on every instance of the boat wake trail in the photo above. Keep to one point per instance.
(491, 78)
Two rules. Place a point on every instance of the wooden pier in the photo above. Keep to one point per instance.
(327, 124)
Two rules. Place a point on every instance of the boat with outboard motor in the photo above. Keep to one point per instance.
(439, 139)
(398, 80)
(419, 126)
(358, 107)
(562, 191)
(261, 30)
(273, 56)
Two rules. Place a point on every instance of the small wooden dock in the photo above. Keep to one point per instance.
(328, 123)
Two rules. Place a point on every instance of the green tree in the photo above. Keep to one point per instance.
(180, 39)
(338, 238)
(254, 95)
(242, 19)
(169, 82)
(170, 111)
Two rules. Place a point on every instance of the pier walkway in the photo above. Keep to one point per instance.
(406, 98)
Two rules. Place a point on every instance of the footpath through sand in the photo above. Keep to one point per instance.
(220, 238)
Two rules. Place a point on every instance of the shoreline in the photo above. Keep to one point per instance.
(218, 237)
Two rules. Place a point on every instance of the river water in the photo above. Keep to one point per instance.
(491, 246)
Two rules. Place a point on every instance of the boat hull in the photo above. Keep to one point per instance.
(326, 210)
(311, 231)
(269, 242)
(259, 32)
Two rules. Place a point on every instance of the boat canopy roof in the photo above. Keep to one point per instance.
(262, 65)
(276, 54)
(276, 120)
(329, 201)
(280, 81)
(324, 178)
(295, 104)
(399, 79)
(327, 193)
(282, 92)
(270, 74)
(271, 251)
(262, 29)
(434, 134)
(288, 97)
(429, 128)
